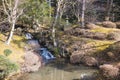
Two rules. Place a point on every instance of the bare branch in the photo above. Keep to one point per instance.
(6, 2)
(21, 12)
(5, 9)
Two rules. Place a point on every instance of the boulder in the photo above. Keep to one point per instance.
(77, 57)
(80, 57)
(108, 24)
(32, 62)
(114, 36)
(99, 36)
(109, 71)
(91, 26)
(90, 61)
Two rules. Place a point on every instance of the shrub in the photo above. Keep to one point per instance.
(56, 51)
(6, 67)
(7, 52)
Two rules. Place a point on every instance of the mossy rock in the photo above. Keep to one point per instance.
(104, 30)
(114, 36)
(108, 24)
(91, 26)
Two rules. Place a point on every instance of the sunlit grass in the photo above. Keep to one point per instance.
(104, 30)
(16, 46)
(101, 45)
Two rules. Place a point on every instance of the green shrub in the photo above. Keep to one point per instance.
(56, 51)
(6, 67)
(7, 52)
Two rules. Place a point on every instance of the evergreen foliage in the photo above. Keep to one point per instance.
(6, 67)
(7, 52)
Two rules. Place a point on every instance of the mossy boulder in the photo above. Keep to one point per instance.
(90, 61)
(77, 57)
(91, 26)
(109, 71)
(115, 35)
(108, 24)
(32, 62)
(81, 57)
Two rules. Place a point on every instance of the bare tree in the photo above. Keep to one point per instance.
(13, 13)
(108, 9)
(55, 22)
(76, 9)
(50, 8)
(83, 14)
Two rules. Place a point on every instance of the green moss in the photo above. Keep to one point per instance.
(100, 45)
(104, 30)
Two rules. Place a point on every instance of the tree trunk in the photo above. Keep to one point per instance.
(83, 14)
(53, 36)
(53, 29)
(13, 20)
(108, 9)
(55, 22)
(11, 34)
(50, 9)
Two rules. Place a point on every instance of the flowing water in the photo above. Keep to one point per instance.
(59, 70)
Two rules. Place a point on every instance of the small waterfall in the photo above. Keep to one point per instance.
(28, 36)
(34, 44)
(46, 55)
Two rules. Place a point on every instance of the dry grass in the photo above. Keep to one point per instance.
(16, 47)
(104, 30)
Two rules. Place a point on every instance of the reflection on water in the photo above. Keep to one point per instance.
(59, 70)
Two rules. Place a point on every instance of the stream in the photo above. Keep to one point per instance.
(60, 70)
